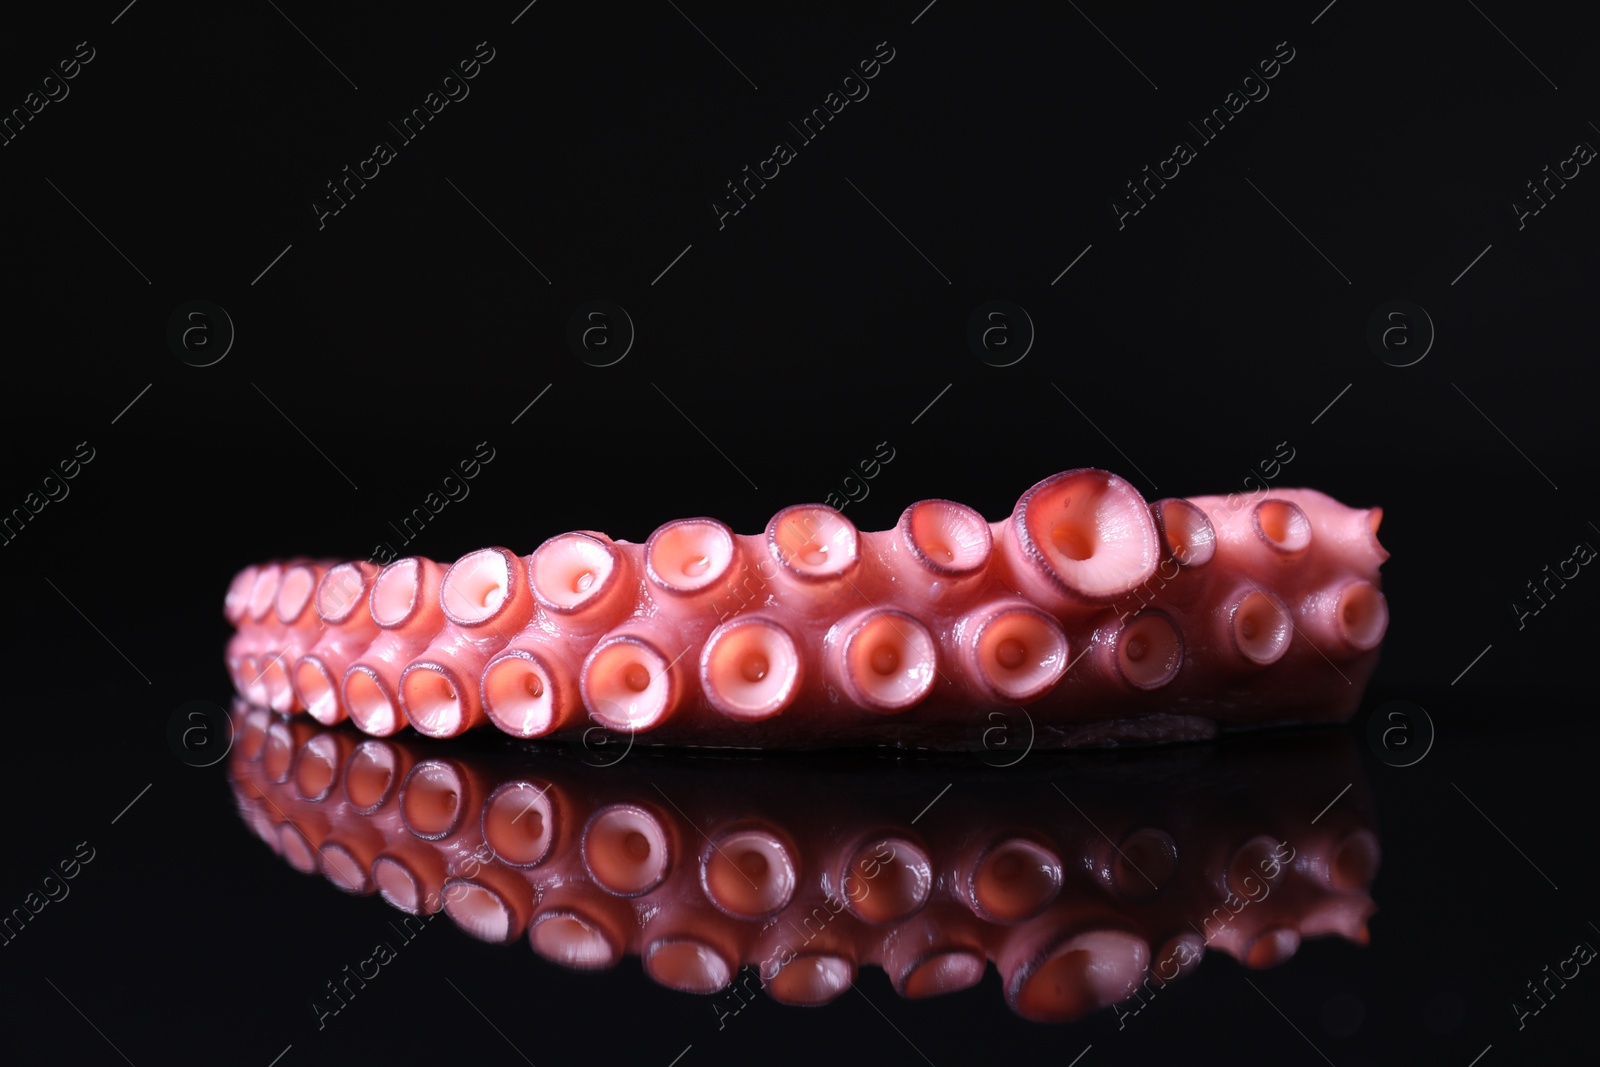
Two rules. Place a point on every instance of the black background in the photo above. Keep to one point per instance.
(380, 349)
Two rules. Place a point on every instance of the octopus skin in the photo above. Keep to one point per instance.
(1086, 885)
(1109, 619)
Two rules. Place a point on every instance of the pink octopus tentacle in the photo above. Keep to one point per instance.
(1098, 612)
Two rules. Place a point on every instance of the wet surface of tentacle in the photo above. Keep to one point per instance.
(1110, 619)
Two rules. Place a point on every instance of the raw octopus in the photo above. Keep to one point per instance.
(1107, 618)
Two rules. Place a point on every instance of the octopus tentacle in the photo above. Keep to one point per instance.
(1099, 612)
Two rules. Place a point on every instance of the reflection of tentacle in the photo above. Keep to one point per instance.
(1093, 888)
(1231, 608)
(939, 951)
(1055, 975)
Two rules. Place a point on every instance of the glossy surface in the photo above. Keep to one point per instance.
(1111, 619)
(1082, 887)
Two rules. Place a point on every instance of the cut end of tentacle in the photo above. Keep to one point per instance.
(627, 684)
(1079, 976)
(294, 593)
(519, 823)
(1149, 650)
(1186, 531)
(889, 661)
(478, 586)
(750, 668)
(1090, 531)
(808, 981)
(1362, 615)
(689, 555)
(626, 850)
(950, 540)
(571, 939)
(573, 571)
(1283, 526)
(1016, 880)
(1260, 627)
(433, 799)
(887, 880)
(434, 700)
(1020, 652)
(813, 542)
(687, 964)
(521, 695)
(749, 874)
